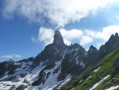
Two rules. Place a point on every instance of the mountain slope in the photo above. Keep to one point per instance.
(105, 76)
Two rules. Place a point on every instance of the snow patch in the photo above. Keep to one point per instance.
(76, 52)
(64, 82)
(89, 77)
(50, 82)
(5, 85)
(77, 62)
(82, 64)
(97, 69)
(112, 88)
(94, 86)
(80, 81)
(28, 78)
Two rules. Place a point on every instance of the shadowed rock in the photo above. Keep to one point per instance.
(58, 40)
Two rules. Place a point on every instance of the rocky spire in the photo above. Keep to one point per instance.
(58, 40)
(116, 35)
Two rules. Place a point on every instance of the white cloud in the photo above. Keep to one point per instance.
(45, 35)
(83, 37)
(59, 12)
(33, 39)
(76, 34)
(13, 56)
(98, 44)
(107, 32)
(85, 40)
(17, 56)
(7, 56)
(70, 35)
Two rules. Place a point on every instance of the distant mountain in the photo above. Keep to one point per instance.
(60, 67)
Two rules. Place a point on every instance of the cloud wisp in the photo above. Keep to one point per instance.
(58, 13)
(13, 56)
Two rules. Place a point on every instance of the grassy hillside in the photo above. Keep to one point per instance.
(107, 67)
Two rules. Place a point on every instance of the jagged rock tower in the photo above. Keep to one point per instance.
(58, 40)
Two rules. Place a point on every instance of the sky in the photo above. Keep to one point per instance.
(27, 26)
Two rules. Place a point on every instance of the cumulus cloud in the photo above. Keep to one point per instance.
(70, 35)
(85, 40)
(107, 32)
(58, 13)
(83, 37)
(45, 35)
(10, 56)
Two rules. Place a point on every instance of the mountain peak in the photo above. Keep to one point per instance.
(58, 40)
(114, 38)
(116, 35)
(92, 49)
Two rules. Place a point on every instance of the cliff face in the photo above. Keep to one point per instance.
(58, 40)
(109, 46)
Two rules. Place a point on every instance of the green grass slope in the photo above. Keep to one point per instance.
(107, 67)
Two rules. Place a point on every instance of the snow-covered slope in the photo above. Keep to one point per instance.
(26, 76)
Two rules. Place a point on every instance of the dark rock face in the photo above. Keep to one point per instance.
(117, 64)
(42, 77)
(7, 66)
(73, 62)
(92, 55)
(58, 40)
(109, 46)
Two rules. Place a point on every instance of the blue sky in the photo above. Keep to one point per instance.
(26, 27)
(15, 37)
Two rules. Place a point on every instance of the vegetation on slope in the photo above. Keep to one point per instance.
(107, 67)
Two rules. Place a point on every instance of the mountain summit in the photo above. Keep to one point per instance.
(58, 40)
(109, 46)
